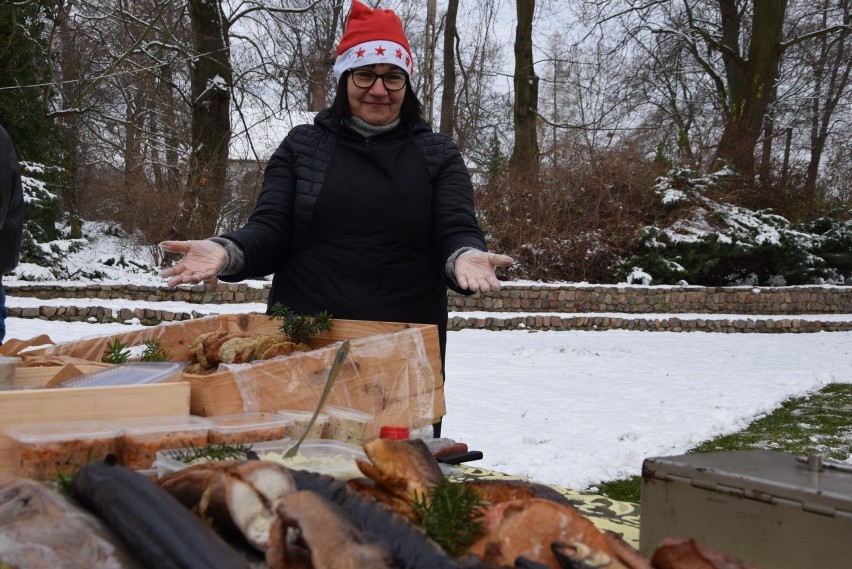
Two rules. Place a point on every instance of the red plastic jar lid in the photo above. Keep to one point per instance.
(394, 433)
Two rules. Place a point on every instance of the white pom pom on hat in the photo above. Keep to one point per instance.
(372, 37)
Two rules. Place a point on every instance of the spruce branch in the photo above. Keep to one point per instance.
(300, 327)
(452, 515)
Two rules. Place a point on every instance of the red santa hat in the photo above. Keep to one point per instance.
(371, 37)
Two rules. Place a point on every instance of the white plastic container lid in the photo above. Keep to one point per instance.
(131, 373)
(140, 425)
(246, 421)
(302, 416)
(347, 413)
(31, 433)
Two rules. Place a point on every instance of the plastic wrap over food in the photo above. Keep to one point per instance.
(39, 527)
(386, 376)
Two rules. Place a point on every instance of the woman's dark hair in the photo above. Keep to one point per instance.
(411, 111)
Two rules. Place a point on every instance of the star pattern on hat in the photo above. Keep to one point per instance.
(360, 52)
(380, 50)
(399, 53)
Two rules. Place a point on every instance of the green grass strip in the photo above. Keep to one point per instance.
(816, 422)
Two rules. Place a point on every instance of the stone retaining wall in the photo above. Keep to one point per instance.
(499, 321)
(777, 308)
(629, 299)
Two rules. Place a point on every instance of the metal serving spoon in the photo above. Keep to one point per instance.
(342, 352)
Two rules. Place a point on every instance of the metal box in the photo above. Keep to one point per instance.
(770, 509)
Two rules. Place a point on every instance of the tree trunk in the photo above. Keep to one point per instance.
(321, 62)
(831, 73)
(765, 170)
(71, 121)
(428, 66)
(524, 161)
(448, 96)
(210, 80)
(750, 80)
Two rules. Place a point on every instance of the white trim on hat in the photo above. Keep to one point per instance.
(371, 53)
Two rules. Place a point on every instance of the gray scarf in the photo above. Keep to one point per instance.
(366, 129)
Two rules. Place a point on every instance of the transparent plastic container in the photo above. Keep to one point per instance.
(332, 458)
(48, 450)
(142, 437)
(246, 428)
(131, 373)
(298, 420)
(347, 425)
(8, 365)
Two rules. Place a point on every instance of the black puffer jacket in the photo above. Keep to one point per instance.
(11, 205)
(361, 227)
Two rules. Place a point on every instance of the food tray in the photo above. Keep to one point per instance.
(167, 462)
(324, 456)
(332, 458)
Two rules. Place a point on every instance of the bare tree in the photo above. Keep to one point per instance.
(523, 163)
(828, 61)
(750, 52)
(448, 95)
(430, 41)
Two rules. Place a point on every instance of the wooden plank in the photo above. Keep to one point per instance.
(86, 403)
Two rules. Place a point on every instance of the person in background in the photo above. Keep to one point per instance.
(366, 213)
(11, 217)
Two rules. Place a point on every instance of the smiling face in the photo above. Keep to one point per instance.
(375, 105)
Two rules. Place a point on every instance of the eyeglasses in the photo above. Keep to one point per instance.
(365, 79)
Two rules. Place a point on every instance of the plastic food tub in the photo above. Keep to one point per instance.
(347, 425)
(8, 365)
(298, 420)
(48, 450)
(142, 437)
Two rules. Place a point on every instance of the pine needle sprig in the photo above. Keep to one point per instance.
(153, 352)
(300, 327)
(116, 353)
(452, 515)
(216, 451)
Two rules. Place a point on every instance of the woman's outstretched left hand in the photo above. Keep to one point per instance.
(475, 270)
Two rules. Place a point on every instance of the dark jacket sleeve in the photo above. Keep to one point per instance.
(454, 222)
(11, 205)
(266, 237)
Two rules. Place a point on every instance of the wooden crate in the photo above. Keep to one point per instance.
(393, 370)
(86, 403)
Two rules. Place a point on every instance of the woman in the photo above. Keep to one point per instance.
(366, 213)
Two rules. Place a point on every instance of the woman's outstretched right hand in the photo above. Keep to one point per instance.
(201, 261)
